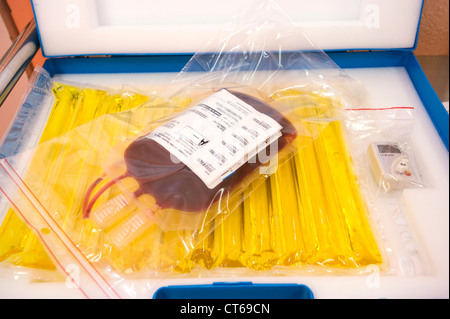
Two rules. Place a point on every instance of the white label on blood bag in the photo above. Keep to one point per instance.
(217, 136)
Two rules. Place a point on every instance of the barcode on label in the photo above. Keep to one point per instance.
(207, 166)
(230, 147)
(169, 124)
(261, 123)
(219, 156)
(201, 114)
(251, 131)
(240, 139)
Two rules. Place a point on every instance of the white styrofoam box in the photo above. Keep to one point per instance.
(89, 27)
(426, 209)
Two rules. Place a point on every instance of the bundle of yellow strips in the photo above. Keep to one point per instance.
(310, 212)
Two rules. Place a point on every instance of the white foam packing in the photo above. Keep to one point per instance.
(426, 209)
(99, 27)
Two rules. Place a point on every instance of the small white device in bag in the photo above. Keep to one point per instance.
(391, 166)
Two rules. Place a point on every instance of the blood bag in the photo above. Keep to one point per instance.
(191, 163)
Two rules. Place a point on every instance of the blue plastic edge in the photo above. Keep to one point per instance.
(174, 63)
(435, 109)
(125, 64)
(235, 290)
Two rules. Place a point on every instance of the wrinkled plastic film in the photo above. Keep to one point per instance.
(248, 65)
(26, 127)
(59, 228)
(391, 127)
(180, 251)
(88, 211)
(72, 107)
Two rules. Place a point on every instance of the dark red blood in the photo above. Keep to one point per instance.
(174, 185)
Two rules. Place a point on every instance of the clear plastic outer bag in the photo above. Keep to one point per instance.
(124, 189)
(259, 65)
(386, 163)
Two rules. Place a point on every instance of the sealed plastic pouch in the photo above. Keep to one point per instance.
(63, 107)
(389, 171)
(139, 193)
(223, 140)
(263, 65)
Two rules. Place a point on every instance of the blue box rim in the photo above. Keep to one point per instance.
(174, 63)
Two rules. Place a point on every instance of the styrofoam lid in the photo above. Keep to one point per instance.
(89, 27)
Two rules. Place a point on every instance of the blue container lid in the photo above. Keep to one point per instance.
(235, 290)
